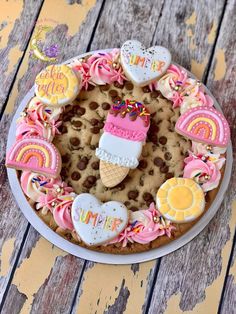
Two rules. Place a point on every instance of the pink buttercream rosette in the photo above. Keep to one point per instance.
(50, 194)
(143, 229)
(203, 170)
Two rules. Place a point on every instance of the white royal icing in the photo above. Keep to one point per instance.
(98, 223)
(119, 151)
(143, 65)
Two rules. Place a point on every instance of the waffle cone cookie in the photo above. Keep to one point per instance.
(112, 175)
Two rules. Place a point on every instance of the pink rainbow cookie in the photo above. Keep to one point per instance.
(204, 124)
(35, 154)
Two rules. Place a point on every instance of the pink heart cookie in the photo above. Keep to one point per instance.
(204, 124)
(35, 154)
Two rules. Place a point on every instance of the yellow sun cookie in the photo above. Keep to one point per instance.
(180, 200)
(57, 85)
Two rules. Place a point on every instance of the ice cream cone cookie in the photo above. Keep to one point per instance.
(120, 146)
(180, 200)
(57, 85)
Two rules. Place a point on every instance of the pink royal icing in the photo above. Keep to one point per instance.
(119, 121)
(35, 154)
(204, 124)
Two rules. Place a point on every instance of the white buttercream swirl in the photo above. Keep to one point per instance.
(117, 160)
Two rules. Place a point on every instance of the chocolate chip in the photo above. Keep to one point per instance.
(127, 203)
(75, 108)
(82, 164)
(106, 106)
(129, 85)
(65, 158)
(113, 93)
(63, 129)
(75, 175)
(67, 116)
(91, 179)
(89, 182)
(118, 85)
(95, 130)
(74, 141)
(76, 124)
(158, 162)
(134, 208)
(116, 99)
(81, 111)
(147, 196)
(163, 140)
(164, 169)
(153, 138)
(153, 128)
(93, 105)
(104, 87)
(132, 195)
(95, 165)
(100, 125)
(146, 89)
(142, 164)
(155, 94)
(63, 172)
(169, 175)
(167, 156)
(90, 87)
(121, 186)
(94, 121)
(151, 172)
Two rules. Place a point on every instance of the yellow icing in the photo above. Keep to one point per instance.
(212, 124)
(56, 85)
(179, 199)
(162, 193)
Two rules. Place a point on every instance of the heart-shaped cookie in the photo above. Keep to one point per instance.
(97, 223)
(142, 65)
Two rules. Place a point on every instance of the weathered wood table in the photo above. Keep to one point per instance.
(36, 277)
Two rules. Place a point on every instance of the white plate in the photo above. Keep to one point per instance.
(76, 250)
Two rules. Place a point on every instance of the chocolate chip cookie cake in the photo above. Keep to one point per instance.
(120, 151)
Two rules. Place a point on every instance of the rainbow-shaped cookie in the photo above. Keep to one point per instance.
(204, 124)
(35, 154)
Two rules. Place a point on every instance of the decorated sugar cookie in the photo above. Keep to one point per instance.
(142, 65)
(204, 124)
(35, 154)
(57, 85)
(98, 223)
(180, 200)
(120, 146)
